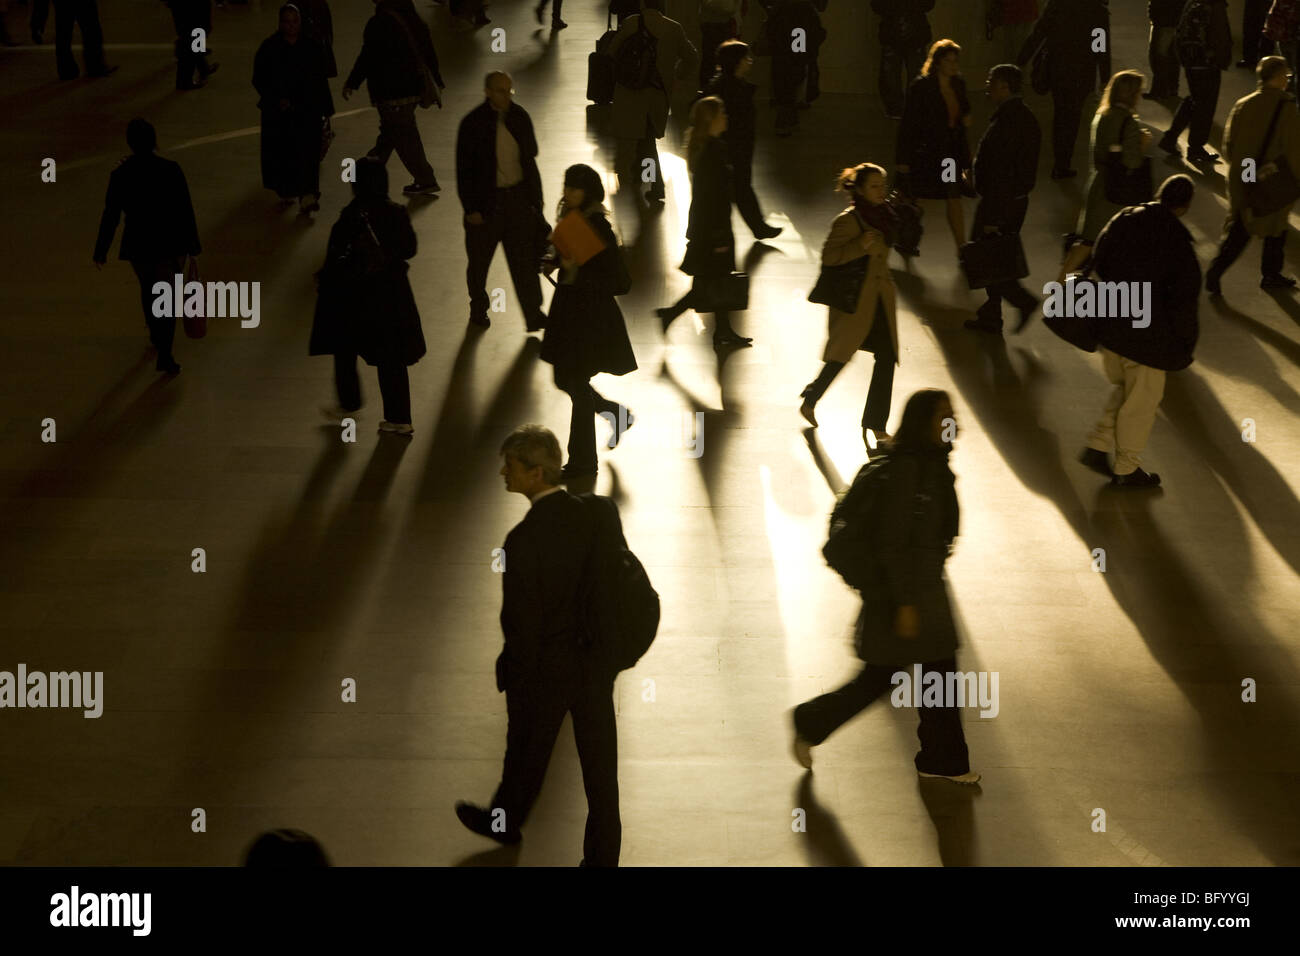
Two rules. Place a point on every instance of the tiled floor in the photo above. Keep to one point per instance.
(326, 561)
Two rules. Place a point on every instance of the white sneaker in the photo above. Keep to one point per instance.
(968, 778)
(397, 428)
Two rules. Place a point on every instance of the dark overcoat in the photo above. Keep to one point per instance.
(708, 226)
(925, 139)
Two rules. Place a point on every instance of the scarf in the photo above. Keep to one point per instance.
(882, 218)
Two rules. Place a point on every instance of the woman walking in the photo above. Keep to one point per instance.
(933, 148)
(710, 244)
(289, 74)
(365, 307)
(906, 618)
(866, 228)
(585, 332)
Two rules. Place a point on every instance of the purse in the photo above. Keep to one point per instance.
(1124, 186)
(840, 286)
(1276, 190)
(196, 326)
(728, 293)
(994, 257)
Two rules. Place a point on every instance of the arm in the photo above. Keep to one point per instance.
(1221, 34)
(521, 605)
(465, 167)
(109, 220)
(401, 234)
(847, 241)
(361, 68)
(1132, 156)
(1185, 299)
(894, 535)
(188, 224)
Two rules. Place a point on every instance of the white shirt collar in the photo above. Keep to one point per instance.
(540, 495)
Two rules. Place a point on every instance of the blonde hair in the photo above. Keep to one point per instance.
(703, 113)
(938, 50)
(852, 177)
(1123, 90)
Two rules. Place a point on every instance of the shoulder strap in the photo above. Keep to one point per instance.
(1268, 137)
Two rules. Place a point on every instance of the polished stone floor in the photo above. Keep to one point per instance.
(372, 561)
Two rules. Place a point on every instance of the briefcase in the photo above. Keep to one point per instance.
(1274, 191)
(600, 69)
(993, 258)
(728, 293)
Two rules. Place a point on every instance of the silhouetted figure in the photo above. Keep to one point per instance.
(1161, 54)
(906, 616)
(1204, 63)
(501, 193)
(1282, 27)
(794, 63)
(1073, 68)
(286, 849)
(289, 76)
(1004, 172)
(622, 9)
(40, 16)
(719, 22)
(933, 150)
(318, 26)
(585, 332)
(365, 306)
(641, 111)
(469, 13)
(160, 230)
(904, 36)
(188, 16)
(83, 14)
(710, 244)
(396, 50)
(729, 84)
(1244, 136)
(867, 228)
(1015, 19)
(557, 22)
(1253, 13)
(1144, 243)
(548, 667)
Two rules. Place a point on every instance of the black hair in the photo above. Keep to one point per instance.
(141, 136)
(1009, 74)
(1176, 191)
(372, 179)
(286, 849)
(588, 180)
(730, 55)
(916, 429)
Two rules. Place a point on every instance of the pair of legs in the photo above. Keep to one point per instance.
(723, 333)
(1196, 111)
(1006, 216)
(712, 36)
(556, 19)
(1164, 62)
(162, 331)
(291, 156)
(1067, 111)
(1126, 423)
(587, 404)
(1253, 41)
(512, 223)
(638, 159)
(789, 70)
(394, 386)
(943, 744)
(398, 131)
(535, 710)
(875, 414)
(188, 17)
(893, 63)
(742, 183)
(85, 14)
(1235, 238)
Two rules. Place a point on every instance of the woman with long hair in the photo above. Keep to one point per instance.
(710, 244)
(906, 617)
(1115, 131)
(866, 228)
(933, 149)
(585, 331)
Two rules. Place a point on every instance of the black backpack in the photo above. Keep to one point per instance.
(1192, 37)
(622, 606)
(636, 62)
(850, 545)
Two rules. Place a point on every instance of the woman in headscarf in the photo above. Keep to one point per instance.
(585, 331)
(289, 74)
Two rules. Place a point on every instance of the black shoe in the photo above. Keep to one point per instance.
(1170, 145)
(1212, 282)
(1201, 155)
(480, 821)
(106, 71)
(730, 339)
(211, 68)
(655, 197)
(482, 321)
(1277, 281)
(421, 189)
(558, 24)
(1097, 461)
(666, 317)
(1135, 479)
(168, 368)
(984, 324)
(536, 324)
(572, 472)
(1026, 314)
(768, 232)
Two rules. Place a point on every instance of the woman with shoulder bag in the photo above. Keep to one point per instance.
(585, 331)
(867, 228)
(365, 306)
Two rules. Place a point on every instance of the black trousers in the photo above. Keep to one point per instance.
(555, 10)
(187, 16)
(162, 331)
(512, 223)
(893, 91)
(712, 36)
(943, 744)
(742, 184)
(631, 157)
(397, 130)
(875, 414)
(587, 404)
(40, 13)
(83, 13)
(1254, 45)
(534, 711)
(394, 386)
(1008, 216)
(1196, 111)
(1234, 243)
(789, 70)
(1163, 60)
(1067, 110)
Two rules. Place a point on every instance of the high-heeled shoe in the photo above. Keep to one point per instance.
(729, 339)
(666, 316)
(807, 411)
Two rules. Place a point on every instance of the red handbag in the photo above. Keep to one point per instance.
(196, 326)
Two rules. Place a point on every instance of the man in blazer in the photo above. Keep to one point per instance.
(1004, 171)
(501, 191)
(160, 229)
(547, 668)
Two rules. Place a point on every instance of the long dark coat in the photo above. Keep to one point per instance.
(376, 318)
(291, 139)
(925, 140)
(708, 225)
(919, 520)
(585, 331)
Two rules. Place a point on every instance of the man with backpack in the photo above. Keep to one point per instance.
(1203, 42)
(650, 51)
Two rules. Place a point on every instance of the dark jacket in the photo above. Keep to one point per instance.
(318, 25)
(1148, 244)
(1066, 27)
(296, 72)
(709, 220)
(545, 589)
(377, 317)
(903, 23)
(388, 61)
(1006, 159)
(783, 18)
(160, 225)
(918, 520)
(585, 331)
(738, 96)
(1164, 13)
(476, 156)
(924, 138)
(1219, 52)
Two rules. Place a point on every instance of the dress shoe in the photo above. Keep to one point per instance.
(1170, 145)
(480, 821)
(730, 339)
(482, 321)
(106, 71)
(1135, 479)
(1201, 155)
(1064, 173)
(984, 324)
(877, 441)
(168, 368)
(1097, 461)
(536, 324)
(808, 410)
(1212, 282)
(1277, 281)
(404, 429)
(421, 189)
(768, 232)
(970, 777)
(558, 24)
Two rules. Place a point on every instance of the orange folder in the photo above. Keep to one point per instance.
(574, 238)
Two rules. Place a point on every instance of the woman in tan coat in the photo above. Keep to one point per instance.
(866, 228)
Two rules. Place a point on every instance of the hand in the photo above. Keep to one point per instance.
(347, 92)
(475, 219)
(906, 622)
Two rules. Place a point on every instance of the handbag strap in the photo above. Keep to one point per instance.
(1268, 137)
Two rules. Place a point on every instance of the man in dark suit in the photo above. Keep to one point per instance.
(188, 16)
(501, 191)
(160, 229)
(549, 666)
(1005, 170)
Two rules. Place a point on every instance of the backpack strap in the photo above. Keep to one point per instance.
(1268, 137)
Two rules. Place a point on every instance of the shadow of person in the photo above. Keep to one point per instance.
(825, 843)
(952, 810)
(1256, 367)
(498, 856)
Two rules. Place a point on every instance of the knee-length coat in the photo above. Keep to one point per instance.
(1243, 138)
(1106, 128)
(291, 138)
(850, 238)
